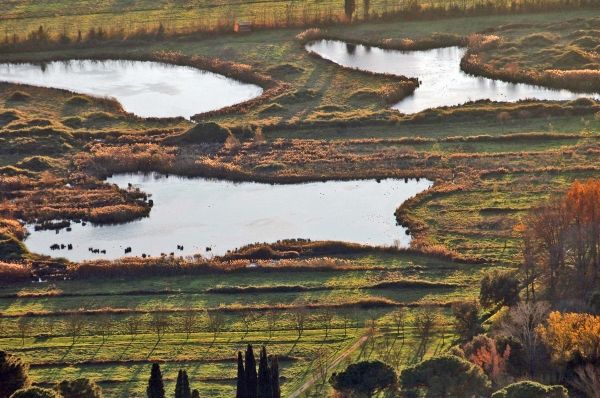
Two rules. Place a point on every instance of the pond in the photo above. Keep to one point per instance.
(197, 213)
(146, 89)
(443, 83)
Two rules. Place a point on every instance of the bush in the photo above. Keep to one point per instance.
(499, 288)
(530, 389)
(202, 133)
(78, 100)
(35, 392)
(13, 374)
(19, 96)
(80, 388)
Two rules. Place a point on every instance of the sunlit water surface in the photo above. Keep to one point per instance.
(147, 89)
(199, 213)
(443, 83)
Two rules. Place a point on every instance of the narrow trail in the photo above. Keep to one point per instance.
(312, 379)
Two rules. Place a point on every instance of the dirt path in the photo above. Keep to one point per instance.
(312, 379)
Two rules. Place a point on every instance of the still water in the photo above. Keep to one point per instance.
(146, 89)
(443, 83)
(198, 213)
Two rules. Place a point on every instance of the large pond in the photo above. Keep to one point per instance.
(147, 89)
(197, 213)
(443, 83)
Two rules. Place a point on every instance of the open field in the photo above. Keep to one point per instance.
(119, 360)
(491, 162)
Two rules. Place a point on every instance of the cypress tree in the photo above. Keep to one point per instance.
(156, 388)
(178, 386)
(250, 370)
(241, 391)
(185, 385)
(275, 377)
(264, 376)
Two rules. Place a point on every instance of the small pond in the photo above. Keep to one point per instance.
(443, 83)
(147, 89)
(198, 213)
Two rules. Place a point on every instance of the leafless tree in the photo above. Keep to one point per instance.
(321, 365)
(326, 319)
(132, 324)
(248, 318)
(346, 321)
(215, 322)
(271, 318)
(521, 323)
(299, 317)
(24, 327)
(424, 324)
(399, 318)
(188, 321)
(159, 322)
(74, 325)
(104, 325)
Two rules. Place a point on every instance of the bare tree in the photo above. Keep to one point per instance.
(399, 318)
(188, 321)
(216, 322)
(248, 318)
(346, 321)
(271, 318)
(521, 324)
(424, 324)
(24, 327)
(326, 318)
(321, 365)
(74, 325)
(159, 322)
(132, 324)
(104, 325)
(299, 317)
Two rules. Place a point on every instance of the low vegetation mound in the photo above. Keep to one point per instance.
(38, 163)
(202, 133)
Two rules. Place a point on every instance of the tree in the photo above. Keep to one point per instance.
(159, 321)
(366, 9)
(446, 376)
(275, 387)
(216, 321)
(251, 376)
(188, 321)
(521, 324)
(271, 317)
(249, 317)
(366, 378)
(399, 318)
(264, 376)
(195, 394)
(182, 386)
(349, 8)
(132, 325)
(13, 373)
(74, 325)
(156, 387)
(104, 325)
(484, 352)
(587, 380)
(327, 319)
(424, 323)
(24, 327)
(79, 388)
(499, 288)
(467, 323)
(35, 392)
(530, 389)
(300, 316)
(241, 391)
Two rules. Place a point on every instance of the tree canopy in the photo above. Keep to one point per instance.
(13, 373)
(446, 376)
(79, 388)
(530, 389)
(35, 392)
(365, 378)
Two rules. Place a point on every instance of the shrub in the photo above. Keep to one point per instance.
(444, 377)
(364, 378)
(78, 100)
(201, 133)
(13, 374)
(79, 388)
(35, 392)
(530, 389)
(499, 288)
(19, 96)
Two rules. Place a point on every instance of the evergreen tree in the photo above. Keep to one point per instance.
(276, 389)
(182, 387)
(264, 376)
(156, 388)
(195, 394)
(241, 391)
(13, 374)
(251, 377)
